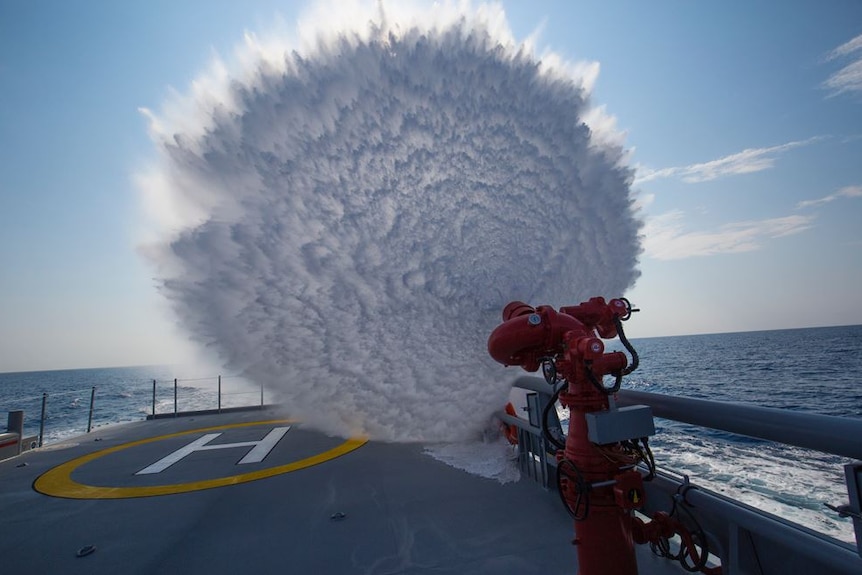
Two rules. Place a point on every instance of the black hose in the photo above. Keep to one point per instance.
(650, 461)
(549, 370)
(545, 412)
(627, 344)
(598, 384)
(698, 533)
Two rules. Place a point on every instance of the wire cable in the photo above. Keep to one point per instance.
(545, 413)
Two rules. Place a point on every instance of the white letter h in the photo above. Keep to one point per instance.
(260, 449)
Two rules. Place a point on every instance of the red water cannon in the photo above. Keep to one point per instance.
(601, 316)
(565, 342)
(597, 471)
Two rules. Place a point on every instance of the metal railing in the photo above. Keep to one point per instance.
(43, 411)
(220, 397)
(745, 539)
(42, 404)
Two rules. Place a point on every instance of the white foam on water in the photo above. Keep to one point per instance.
(790, 482)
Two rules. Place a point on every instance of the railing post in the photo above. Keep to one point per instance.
(219, 394)
(853, 479)
(42, 419)
(154, 399)
(15, 424)
(175, 397)
(90, 419)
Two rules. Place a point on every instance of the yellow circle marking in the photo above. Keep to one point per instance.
(59, 483)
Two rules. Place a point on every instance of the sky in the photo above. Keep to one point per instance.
(743, 122)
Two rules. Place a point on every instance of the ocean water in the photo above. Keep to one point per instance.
(122, 394)
(816, 370)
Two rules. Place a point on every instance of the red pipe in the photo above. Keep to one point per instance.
(528, 334)
(604, 537)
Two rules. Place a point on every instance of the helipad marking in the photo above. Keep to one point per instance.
(259, 452)
(58, 481)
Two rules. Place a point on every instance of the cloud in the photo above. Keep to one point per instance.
(744, 162)
(345, 222)
(845, 192)
(848, 78)
(665, 237)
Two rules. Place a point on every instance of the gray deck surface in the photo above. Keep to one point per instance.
(404, 511)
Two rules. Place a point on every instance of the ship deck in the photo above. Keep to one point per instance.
(311, 504)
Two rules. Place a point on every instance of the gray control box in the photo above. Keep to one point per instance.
(630, 422)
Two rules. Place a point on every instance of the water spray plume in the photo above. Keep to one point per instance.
(344, 222)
